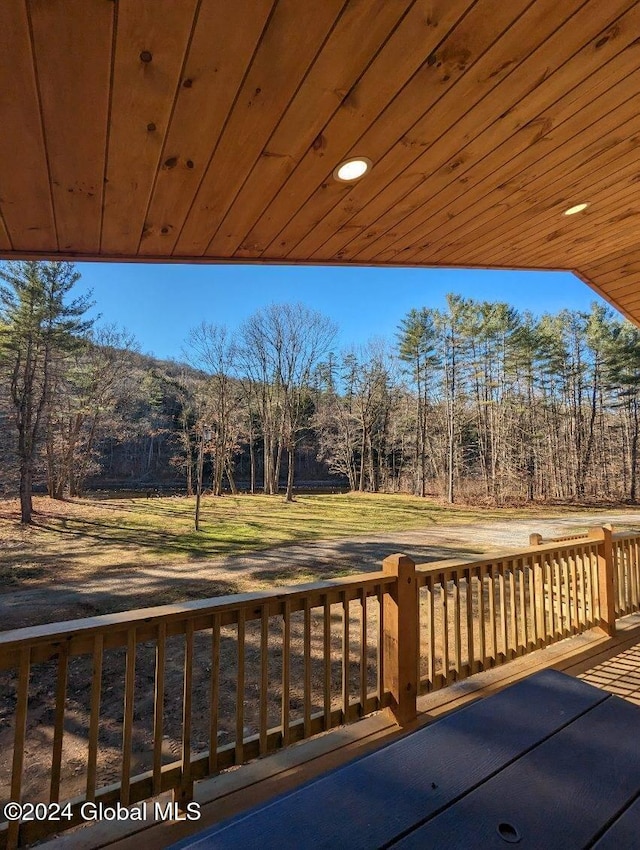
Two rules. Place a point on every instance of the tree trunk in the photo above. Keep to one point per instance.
(230, 478)
(363, 452)
(291, 456)
(26, 478)
(252, 457)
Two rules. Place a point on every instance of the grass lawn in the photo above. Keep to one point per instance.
(110, 533)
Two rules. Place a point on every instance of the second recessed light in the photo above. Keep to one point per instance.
(578, 208)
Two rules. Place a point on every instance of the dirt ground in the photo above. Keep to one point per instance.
(137, 588)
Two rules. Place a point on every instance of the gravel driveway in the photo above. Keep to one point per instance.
(280, 566)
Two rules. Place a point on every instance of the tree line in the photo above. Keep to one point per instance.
(474, 401)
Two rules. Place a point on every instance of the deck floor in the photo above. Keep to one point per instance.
(609, 663)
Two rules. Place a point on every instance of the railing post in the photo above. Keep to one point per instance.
(401, 645)
(606, 587)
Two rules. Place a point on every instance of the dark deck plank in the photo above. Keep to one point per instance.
(380, 796)
(558, 796)
(624, 833)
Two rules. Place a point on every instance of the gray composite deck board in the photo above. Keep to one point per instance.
(624, 832)
(382, 795)
(558, 796)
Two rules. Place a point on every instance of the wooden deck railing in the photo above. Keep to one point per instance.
(177, 693)
(477, 615)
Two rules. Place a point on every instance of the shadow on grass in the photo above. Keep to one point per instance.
(75, 601)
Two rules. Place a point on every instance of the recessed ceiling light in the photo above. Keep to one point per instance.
(578, 208)
(352, 169)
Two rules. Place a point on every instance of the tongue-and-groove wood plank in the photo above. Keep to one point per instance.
(73, 44)
(209, 130)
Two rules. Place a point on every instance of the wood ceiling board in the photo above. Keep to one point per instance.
(28, 216)
(465, 193)
(452, 59)
(631, 302)
(616, 282)
(600, 235)
(5, 242)
(603, 229)
(602, 292)
(482, 118)
(73, 41)
(401, 60)
(612, 262)
(218, 58)
(151, 41)
(468, 109)
(536, 201)
(536, 204)
(279, 66)
(357, 37)
(524, 119)
(530, 216)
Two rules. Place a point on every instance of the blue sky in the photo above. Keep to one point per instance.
(159, 304)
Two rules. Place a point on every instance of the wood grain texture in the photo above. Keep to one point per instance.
(155, 130)
(26, 209)
(73, 42)
(151, 42)
(218, 58)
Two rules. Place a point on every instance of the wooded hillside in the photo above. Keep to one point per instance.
(476, 401)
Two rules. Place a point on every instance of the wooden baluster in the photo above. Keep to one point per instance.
(264, 676)
(19, 735)
(286, 670)
(327, 661)
(513, 631)
(522, 613)
(94, 716)
(431, 651)
(540, 615)
(240, 688)
(363, 651)
(572, 565)
(578, 563)
(482, 639)
(380, 594)
(493, 620)
(158, 708)
(457, 631)
(503, 608)
(184, 794)
(444, 601)
(127, 723)
(566, 570)
(471, 664)
(558, 586)
(633, 572)
(619, 572)
(548, 604)
(214, 695)
(589, 601)
(588, 595)
(630, 577)
(595, 584)
(307, 668)
(58, 733)
(346, 652)
(532, 635)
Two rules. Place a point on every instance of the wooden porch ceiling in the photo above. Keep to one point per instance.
(208, 130)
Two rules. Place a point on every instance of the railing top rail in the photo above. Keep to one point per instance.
(147, 617)
(452, 564)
